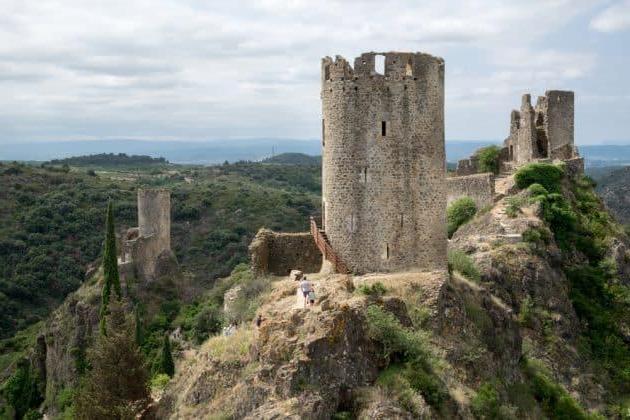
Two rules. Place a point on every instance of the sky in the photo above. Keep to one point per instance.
(199, 70)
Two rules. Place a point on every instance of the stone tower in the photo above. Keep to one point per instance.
(383, 161)
(154, 216)
(146, 249)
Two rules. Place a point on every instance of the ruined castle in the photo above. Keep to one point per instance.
(543, 132)
(146, 246)
(383, 170)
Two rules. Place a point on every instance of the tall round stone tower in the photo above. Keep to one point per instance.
(383, 161)
(154, 216)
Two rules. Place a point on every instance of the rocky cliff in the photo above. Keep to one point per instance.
(498, 336)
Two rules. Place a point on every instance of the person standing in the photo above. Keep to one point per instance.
(305, 287)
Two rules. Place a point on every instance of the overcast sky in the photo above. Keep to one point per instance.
(194, 70)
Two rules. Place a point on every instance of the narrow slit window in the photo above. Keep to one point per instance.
(402, 219)
(387, 251)
(383, 128)
(365, 174)
(323, 132)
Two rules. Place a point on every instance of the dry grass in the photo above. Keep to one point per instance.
(230, 348)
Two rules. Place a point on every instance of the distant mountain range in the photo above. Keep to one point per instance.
(217, 151)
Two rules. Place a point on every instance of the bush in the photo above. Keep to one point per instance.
(537, 190)
(485, 404)
(545, 174)
(513, 206)
(556, 402)
(489, 159)
(463, 264)
(410, 349)
(376, 290)
(159, 381)
(527, 313)
(459, 212)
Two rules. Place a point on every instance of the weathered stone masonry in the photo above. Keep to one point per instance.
(383, 161)
(479, 187)
(545, 131)
(279, 253)
(144, 246)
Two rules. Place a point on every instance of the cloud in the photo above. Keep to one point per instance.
(613, 18)
(203, 69)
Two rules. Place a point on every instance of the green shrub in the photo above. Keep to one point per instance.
(545, 174)
(459, 261)
(422, 379)
(159, 381)
(376, 290)
(485, 404)
(513, 205)
(555, 401)
(527, 313)
(536, 190)
(408, 348)
(459, 212)
(489, 159)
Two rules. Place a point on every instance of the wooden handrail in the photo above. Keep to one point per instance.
(327, 250)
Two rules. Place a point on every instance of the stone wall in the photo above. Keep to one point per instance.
(479, 187)
(278, 253)
(383, 161)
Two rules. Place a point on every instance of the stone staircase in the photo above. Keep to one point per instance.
(504, 183)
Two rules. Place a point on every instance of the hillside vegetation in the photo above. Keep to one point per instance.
(110, 159)
(294, 159)
(52, 219)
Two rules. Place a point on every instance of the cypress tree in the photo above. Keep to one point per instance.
(110, 265)
(166, 358)
(139, 332)
(116, 385)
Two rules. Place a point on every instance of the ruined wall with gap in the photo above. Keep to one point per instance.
(479, 187)
(278, 253)
(383, 162)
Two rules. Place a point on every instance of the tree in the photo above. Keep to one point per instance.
(138, 325)
(167, 365)
(489, 159)
(110, 266)
(116, 386)
(21, 390)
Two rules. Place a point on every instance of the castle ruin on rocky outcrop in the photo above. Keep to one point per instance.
(146, 247)
(383, 190)
(544, 132)
(383, 168)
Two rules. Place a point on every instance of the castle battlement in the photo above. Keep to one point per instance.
(398, 66)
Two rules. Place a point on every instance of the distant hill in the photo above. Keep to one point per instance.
(110, 159)
(614, 189)
(294, 159)
(233, 150)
